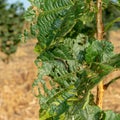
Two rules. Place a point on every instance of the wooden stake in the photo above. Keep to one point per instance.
(100, 31)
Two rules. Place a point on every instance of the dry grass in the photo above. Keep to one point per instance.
(17, 101)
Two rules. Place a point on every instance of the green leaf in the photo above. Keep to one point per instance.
(110, 24)
(51, 19)
(89, 113)
(110, 115)
(114, 61)
(99, 51)
(68, 78)
(30, 14)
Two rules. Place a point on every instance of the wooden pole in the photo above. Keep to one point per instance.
(100, 31)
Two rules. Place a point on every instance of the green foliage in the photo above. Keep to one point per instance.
(112, 13)
(70, 62)
(11, 24)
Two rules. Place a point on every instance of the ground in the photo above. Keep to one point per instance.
(17, 101)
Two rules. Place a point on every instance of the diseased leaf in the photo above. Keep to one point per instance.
(70, 61)
(69, 79)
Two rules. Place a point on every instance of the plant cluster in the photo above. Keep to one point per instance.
(71, 61)
(11, 24)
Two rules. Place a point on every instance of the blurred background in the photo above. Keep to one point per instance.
(26, 3)
(17, 68)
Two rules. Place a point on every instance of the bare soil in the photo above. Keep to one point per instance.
(17, 101)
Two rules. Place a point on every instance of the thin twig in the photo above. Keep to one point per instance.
(110, 82)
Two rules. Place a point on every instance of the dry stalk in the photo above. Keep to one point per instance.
(100, 31)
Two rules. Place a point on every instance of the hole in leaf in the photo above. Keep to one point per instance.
(58, 74)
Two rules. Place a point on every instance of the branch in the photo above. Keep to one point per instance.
(100, 30)
(100, 90)
(110, 82)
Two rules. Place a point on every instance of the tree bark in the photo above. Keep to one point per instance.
(100, 31)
